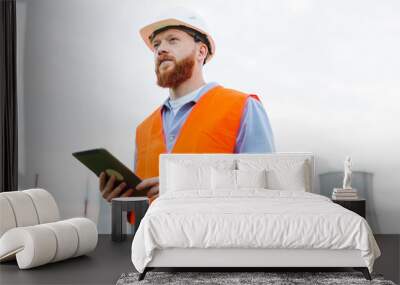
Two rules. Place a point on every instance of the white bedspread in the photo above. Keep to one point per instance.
(251, 218)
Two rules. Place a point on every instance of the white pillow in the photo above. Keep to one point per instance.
(184, 177)
(251, 178)
(288, 179)
(229, 179)
(223, 179)
(282, 174)
(191, 174)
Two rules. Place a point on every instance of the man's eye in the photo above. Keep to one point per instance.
(173, 39)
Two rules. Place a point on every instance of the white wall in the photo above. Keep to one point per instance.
(328, 74)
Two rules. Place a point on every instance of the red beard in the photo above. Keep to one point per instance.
(181, 72)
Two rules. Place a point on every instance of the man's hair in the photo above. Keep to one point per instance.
(197, 36)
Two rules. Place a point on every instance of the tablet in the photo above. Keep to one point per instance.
(99, 160)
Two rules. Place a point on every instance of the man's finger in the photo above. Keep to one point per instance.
(116, 191)
(109, 187)
(128, 193)
(102, 181)
(154, 190)
(149, 182)
(110, 184)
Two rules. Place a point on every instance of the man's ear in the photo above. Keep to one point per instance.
(202, 54)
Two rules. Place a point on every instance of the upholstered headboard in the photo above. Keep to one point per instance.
(238, 161)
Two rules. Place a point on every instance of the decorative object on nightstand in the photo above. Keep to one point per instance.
(347, 192)
(347, 173)
(119, 208)
(355, 205)
(363, 181)
(344, 194)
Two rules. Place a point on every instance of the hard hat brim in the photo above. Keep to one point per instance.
(148, 30)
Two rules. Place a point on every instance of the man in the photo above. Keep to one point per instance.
(198, 117)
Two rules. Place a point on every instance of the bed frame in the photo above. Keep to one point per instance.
(242, 259)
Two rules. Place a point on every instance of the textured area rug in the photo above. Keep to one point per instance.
(229, 278)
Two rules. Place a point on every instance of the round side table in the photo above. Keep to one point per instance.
(120, 207)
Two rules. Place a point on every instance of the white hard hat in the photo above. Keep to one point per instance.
(179, 18)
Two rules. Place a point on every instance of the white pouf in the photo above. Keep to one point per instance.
(31, 233)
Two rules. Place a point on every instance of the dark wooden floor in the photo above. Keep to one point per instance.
(110, 260)
(102, 266)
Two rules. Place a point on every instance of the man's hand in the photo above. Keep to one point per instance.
(152, 183)
(107, 189)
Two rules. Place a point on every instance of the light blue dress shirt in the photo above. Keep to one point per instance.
(255, 132)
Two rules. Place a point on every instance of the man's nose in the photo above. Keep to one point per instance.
(162, 48)
(160, 52)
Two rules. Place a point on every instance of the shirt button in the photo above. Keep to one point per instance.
(171, 138)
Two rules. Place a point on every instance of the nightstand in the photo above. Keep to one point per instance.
(357, 205)
(120, 206)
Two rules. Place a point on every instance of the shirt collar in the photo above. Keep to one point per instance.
(196, 98)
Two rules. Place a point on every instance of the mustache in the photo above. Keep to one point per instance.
(162, 58)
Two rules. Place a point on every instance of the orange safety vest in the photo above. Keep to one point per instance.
(211, 127)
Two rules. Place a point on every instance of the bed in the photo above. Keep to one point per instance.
(248, 210)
